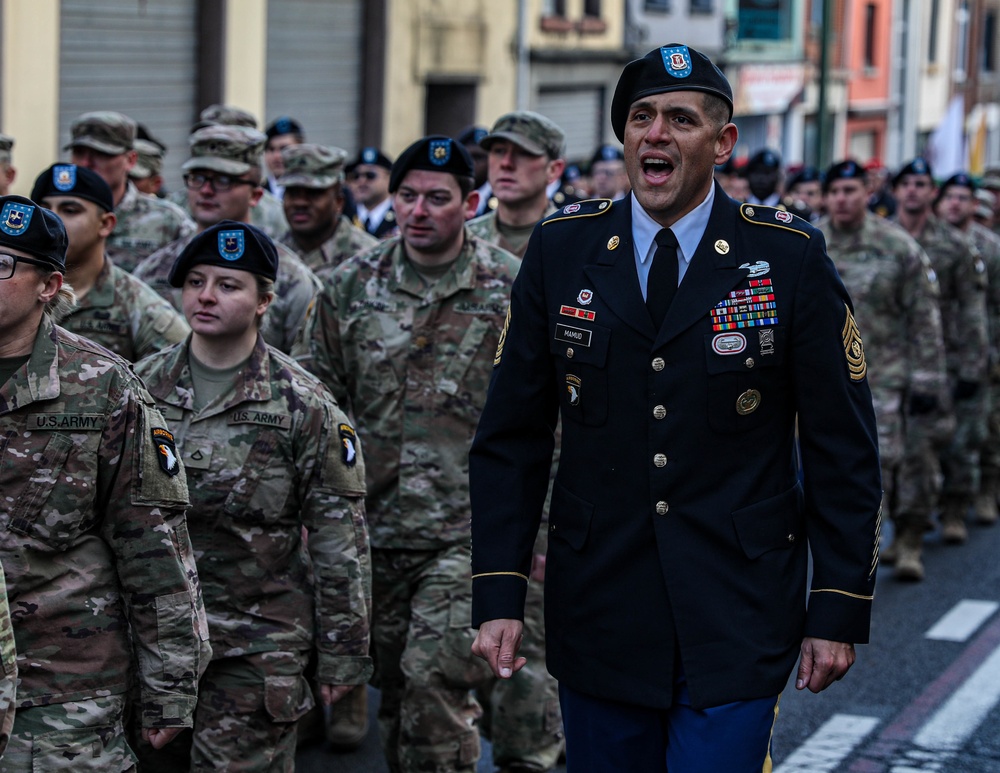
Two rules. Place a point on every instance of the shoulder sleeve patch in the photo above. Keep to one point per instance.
(774, 217)
(588, 208)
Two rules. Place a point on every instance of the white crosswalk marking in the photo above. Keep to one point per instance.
(963, 620)
(830, 745)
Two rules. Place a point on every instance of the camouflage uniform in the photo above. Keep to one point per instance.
(267, 214)
(294, 290)
(272, 456)
(145, 224)
(485, 227)
(895, 294)
(8, 680)
(988, 245)
(413, 363)
(962, 277)
(123, 314)
(346, 242)
(97, 555)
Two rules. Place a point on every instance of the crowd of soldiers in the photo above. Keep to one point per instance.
(235, 424)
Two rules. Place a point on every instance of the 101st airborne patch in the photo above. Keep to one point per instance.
(854, 348)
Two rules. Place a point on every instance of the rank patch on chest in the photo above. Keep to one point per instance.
(573, 335)
(166, 451)
(572, 311)
(751, 307)
(348, 444)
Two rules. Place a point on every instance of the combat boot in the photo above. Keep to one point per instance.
(909, 545)
(953, 529)
(348, 725)
(986, 501)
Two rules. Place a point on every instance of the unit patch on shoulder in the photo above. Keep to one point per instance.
(588, 208)
(166, 451)
(503, 337)
(854, 348)
(776, 218)
(348, 444)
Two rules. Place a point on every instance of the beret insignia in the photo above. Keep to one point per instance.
(14, 218)
(677, 60)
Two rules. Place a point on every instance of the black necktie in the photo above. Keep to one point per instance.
(661, 286)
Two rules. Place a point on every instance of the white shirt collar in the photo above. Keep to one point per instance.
(688, 230)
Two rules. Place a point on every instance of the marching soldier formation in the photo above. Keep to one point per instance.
(235, 426)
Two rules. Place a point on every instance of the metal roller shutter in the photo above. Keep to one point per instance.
(579, 113)
(134, 56)
(314, 68)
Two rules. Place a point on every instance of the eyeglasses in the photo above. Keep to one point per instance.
(9, 262)
(365, 175)
(217, 182)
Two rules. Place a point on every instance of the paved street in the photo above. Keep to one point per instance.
(924, 696)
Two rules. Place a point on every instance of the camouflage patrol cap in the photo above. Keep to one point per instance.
(530, 131)
(6, 145)
(991, 180)
(435, 153)
(674, 67)
(226, 149)
(231, 244)
(312, 166)
(225, 115)
(150, 161)
(104, 131)
(27, 227)
(76, 181)
(917, 166)
(985, 201)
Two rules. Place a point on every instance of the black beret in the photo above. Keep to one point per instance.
(959, 180)
(76, 181)
(230, 244)
(807, 174)
(670, 68)
(35, 230)
(472, 135)
(844, 170)
(916, 166)
(284, 125)
(371, 157)
(764, 159)
(607, 153)
(436, 153)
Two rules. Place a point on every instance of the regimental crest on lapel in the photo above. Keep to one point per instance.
(232, 244)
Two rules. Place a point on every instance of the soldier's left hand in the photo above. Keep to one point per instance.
(158, 737)
(822, 663)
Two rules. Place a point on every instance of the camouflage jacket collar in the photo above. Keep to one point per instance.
(38, 378)
(461, 275)
(129, 201)
(102, 294)
(176, 387)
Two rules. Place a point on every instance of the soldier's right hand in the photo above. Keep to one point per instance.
(158, 737)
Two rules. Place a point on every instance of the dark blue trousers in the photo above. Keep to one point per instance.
(604, 736)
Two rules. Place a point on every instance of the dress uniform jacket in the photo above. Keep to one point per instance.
(678, 528)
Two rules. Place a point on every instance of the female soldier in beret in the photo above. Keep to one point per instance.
(270, 455)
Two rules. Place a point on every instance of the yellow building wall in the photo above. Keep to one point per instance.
(459, 40)
(245, 66)
(582, 34)
(30, 65)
